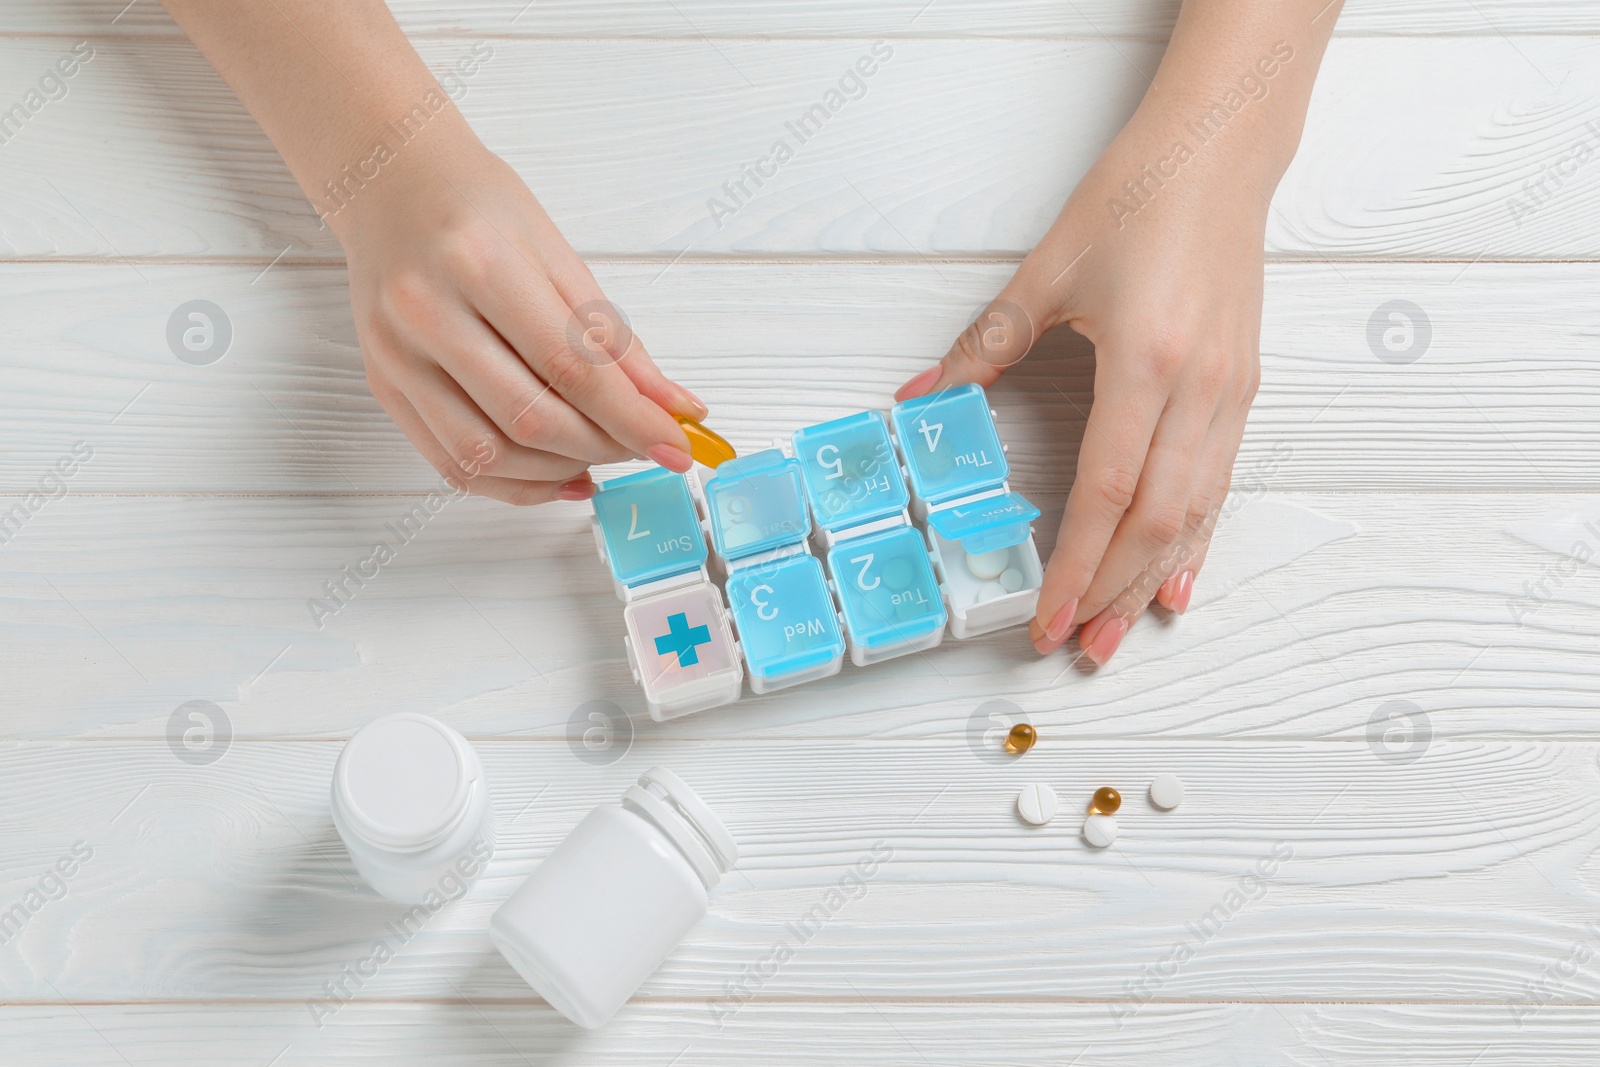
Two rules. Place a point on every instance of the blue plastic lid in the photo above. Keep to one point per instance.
(785, 616)
(951, 446)
(851, 473)
(756, 504)
(650, 527)
(985, 525)
(887, 588)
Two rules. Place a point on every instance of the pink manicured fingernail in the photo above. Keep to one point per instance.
(577, 489)
(1062, 622)
(1164, 593)
(1182, 592)
(1091, 629)
(670, 457)
(697, 407)
(918, 385)
(1104, 644)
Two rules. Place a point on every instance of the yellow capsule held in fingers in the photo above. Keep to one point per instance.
(706, 446)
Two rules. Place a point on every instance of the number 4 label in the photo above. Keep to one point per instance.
(931, 434)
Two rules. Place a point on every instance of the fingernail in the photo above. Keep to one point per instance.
(577, 489)
(1057, 630)
(1091, 629)
(690, 404)
(1164, 593)
(1104, 644)
(918, 385)
(1182, 592)
(670, 457)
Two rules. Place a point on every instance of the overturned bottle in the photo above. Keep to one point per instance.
(603, 910)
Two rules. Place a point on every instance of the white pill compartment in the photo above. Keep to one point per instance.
(979, 605)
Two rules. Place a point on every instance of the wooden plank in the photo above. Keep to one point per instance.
(1415, 148)
(1293, 871)
(1501, 398)
(833, 18)
(1313, 612)
(849, 1031)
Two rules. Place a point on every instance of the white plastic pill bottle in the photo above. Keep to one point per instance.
(614, 898)
(411, 802)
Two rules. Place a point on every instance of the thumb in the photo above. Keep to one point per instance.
(998, 338)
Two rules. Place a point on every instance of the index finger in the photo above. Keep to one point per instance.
(1115, 444)
(579, 360)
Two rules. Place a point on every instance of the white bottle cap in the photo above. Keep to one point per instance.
(403, 781)
(666, 800)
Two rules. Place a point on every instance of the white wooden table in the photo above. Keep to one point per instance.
(1406, 534)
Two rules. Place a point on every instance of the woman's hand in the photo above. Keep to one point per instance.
(487, 339)
(1168, 288)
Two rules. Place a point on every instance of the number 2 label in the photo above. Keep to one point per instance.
(861, 579)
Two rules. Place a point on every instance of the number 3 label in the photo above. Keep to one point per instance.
(762, 607)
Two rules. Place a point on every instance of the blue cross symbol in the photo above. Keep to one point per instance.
(683, 639)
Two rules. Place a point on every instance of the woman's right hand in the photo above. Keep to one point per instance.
(485, 336)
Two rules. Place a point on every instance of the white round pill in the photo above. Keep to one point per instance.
(1100, 830)
(1036, 803)
(988, 565)
(991, 591)
(1166, 792)
(1011, 578)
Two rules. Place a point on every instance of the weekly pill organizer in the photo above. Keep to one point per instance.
(867, 536)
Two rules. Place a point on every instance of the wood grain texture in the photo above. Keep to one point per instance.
(832, 18)
(851, 1030)
(1415, 148)
(1312, 612)
(1421, 532)
(1461, 876)
(1502, 398)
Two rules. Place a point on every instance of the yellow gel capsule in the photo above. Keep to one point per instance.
(1020, 738)
(706, 446)
(1106, 801)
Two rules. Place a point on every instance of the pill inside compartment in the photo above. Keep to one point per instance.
(889, 593)
(990, 590)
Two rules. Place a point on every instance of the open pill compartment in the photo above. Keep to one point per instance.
(679, 641)
(788, 626)
(979, 532)
(872, 535)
